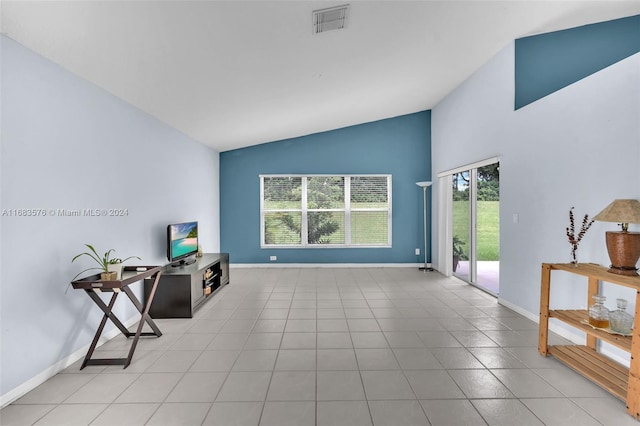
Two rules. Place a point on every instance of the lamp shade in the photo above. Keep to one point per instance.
(620, 211)
(623, 246)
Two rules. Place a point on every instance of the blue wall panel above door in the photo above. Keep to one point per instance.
(548, 62)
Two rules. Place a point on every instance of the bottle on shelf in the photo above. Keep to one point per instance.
(619, 320)
(598, 313)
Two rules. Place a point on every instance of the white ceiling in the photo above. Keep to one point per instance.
(237, 73)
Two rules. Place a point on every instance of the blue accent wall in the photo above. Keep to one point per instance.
(399, 146)
(548, 62)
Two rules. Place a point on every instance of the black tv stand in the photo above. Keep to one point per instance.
(181, 291)
(184, 262)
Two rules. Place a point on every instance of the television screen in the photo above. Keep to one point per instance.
(182, 240)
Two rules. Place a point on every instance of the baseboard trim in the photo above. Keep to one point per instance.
(519, 310)
(51, 371)
(324, 265)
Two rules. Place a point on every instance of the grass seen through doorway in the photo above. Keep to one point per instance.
(488, 245)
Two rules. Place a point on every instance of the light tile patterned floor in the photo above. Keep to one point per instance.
(358, 346)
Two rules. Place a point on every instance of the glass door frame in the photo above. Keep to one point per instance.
(473, 225)
(445, 219)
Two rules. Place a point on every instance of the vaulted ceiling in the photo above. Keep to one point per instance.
(237, 73)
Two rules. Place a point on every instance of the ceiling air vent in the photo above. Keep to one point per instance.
(333, 18)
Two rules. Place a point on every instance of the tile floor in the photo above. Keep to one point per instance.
(387, 346)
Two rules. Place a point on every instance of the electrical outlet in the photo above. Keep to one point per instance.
(272, 258)
(417, 252)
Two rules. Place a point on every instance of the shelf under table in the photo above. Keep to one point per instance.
(598, 368)
(574, 317)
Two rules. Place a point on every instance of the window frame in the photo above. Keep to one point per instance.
(304, 210)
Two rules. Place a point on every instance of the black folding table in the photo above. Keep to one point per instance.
(93, 286)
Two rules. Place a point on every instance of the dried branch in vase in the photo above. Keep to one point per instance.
(574, 239)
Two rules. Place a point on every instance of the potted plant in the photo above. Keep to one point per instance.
(115, 265)
(458, 252)
(111, 267)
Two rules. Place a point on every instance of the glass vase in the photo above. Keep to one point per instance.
(574, 257)
(619, 320)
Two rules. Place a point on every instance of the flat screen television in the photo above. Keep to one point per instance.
(182, 243)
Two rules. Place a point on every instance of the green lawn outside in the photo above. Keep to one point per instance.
(488, 228)
(370, 228)
(367, 228)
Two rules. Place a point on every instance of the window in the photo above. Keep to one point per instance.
(325, 211)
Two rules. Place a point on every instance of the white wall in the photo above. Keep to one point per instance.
(577, 147)
(67, 144)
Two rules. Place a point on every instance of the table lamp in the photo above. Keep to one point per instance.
(623, 246)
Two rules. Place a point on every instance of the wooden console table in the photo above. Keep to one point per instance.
(621, 381)
(93, 285)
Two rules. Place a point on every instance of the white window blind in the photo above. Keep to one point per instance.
(282, 206)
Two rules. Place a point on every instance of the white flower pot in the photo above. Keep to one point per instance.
(117, 268)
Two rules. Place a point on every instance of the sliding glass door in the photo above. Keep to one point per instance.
(475, 223)
(488, 228)
(461, 222)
